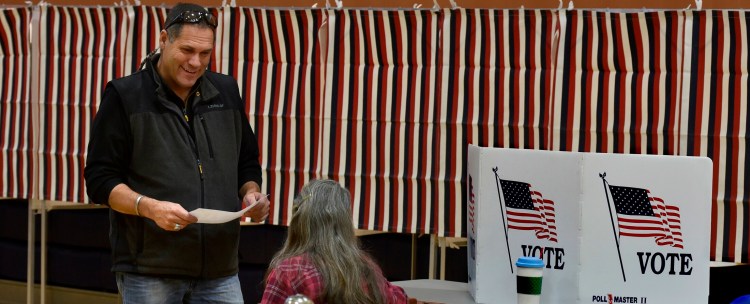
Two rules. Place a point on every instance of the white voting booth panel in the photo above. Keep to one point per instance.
(611, 228)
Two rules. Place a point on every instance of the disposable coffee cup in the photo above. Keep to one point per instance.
(529, 279)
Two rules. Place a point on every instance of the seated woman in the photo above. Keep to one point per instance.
(321, 257)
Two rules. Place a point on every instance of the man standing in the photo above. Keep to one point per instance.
(170, 138)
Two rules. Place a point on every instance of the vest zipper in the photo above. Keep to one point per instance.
(192, 134)
(200, 171)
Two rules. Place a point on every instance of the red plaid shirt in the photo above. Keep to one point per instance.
(298, 275)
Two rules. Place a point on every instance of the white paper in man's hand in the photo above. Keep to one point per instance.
(212, 216)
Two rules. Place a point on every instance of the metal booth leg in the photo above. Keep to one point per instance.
(36, 207)
(30, 254)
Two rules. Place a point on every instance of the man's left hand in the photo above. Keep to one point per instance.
(260, 206)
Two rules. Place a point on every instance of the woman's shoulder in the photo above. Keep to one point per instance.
(298, 262)
(293, 275)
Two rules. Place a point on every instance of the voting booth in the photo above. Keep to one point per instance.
(610, 228)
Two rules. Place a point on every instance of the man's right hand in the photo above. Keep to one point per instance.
(167, 215)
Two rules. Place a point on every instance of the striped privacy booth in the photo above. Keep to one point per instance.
(714, 120)
(386, 101)
(79, 50)
(381, 120)
(617, 82)
(664, 82)
(16, 159)
(408, 90)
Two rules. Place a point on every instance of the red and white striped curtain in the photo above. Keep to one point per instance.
(714, 120)
(408, 90)
(618, 83)
(386, 102)
(381, 126)
(140, 34)
(16, 159)
(495, 89)
(78, 50)
(275, 55)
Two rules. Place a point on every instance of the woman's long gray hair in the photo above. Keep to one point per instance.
(321, 228)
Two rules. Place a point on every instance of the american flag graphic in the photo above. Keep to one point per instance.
(641, 215)
(528, 210)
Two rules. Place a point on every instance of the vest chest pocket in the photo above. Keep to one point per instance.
(208, 136)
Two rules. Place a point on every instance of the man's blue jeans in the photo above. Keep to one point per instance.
(142, 289)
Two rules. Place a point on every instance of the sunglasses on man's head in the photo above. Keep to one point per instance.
(192, 17)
